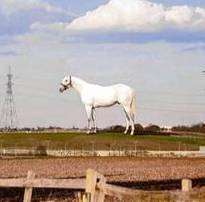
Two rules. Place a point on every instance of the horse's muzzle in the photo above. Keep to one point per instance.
(61, 89)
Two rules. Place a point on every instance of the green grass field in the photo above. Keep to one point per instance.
(101, 141)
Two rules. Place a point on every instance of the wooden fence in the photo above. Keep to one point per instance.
(94, 186)
(67, 153)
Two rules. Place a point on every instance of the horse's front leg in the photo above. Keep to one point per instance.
(89, 115)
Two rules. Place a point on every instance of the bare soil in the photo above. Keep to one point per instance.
(116, 169)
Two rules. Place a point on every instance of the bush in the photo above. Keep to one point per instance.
(152, 128)
(118, 128)
(115, 129)
(138, 127)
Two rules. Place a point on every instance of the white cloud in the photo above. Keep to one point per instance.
(116, 14)
(9, 7)
(138, 16)
(121, 14)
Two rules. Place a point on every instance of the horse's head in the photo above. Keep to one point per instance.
(66, 83)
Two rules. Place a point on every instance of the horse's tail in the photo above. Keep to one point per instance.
(133, 104)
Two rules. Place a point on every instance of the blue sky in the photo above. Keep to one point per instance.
(79, 6)
(181, 2)
(161, 55)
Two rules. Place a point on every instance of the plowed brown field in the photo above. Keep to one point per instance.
(122, 170)
(116, 169)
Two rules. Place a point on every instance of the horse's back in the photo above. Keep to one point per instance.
(114, 89)
(123, 88)
(125, 93)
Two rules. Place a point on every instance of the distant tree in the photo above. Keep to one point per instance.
(200, 127)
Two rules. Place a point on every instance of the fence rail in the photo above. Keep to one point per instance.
(67, 153)
(94, 186)
(44, 183)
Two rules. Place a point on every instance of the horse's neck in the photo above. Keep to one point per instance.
(78, 84)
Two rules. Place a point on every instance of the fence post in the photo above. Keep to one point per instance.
(1, 149)
(186, 184)
(28, 190)
(80, 197)
(100, 195)
(91, 180)
(87, 197)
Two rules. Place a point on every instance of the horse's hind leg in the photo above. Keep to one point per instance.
(131, 118)
(127, 121)
(89, 115)
(94, 120)
(132, 123)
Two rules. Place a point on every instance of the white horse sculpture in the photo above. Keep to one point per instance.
(94, 96)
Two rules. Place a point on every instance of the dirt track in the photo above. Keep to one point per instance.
(121, 169)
